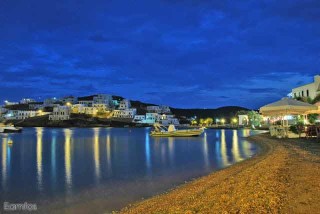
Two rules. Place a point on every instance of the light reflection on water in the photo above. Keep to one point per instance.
(96, 154)
(67, 160)
(44, 164)
(39, 132)
(4, 163)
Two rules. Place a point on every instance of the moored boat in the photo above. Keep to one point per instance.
(171, 131)
(9, 129)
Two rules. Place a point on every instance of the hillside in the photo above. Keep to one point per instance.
(223, 112)
(226, 112)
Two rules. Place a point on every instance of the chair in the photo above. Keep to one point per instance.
(318, 132)
(311, 131)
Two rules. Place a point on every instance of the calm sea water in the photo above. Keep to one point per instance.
(112, 167)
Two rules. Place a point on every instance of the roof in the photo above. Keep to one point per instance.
(287, 106)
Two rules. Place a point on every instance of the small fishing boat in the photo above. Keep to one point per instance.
(171, 131)
(9, 128)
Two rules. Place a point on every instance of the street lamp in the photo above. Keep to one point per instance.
(223, 121)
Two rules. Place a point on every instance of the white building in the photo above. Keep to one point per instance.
(27, 101)
(310, 90)
(8, 103)
(154, 109)
(51, 102)
(90, 101)
(86, 101)
(151, 118)
(166, 120)
(69, 100)
(90, 110)
(124, 104)
(3, 110)
(139, 118)
(165, 109)
(20, 114)
(169, 121)
(102, 107)
(159, 109)
(105, 99)
(36, 105)
(60, 113)
(243, 120)
(127, 113)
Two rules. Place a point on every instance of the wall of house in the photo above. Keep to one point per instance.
(309, 90)
(60, 113)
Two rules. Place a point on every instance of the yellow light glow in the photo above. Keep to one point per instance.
(96, 154)
(4, 162)
(39, 156)
(67, 159)
(235, 146)
(108, 147)
(223, 148)
(223, 121)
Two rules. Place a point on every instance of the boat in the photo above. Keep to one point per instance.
(171, 131)
(9, 129)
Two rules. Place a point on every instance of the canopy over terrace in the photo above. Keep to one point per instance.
(287, 106)
(283, 107)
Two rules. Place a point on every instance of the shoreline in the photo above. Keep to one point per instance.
(267, 182)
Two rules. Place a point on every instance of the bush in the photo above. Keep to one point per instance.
(297, 128)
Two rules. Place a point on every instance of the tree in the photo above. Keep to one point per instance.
(312, 118)
(209, 121)
(194, 122)
(201, 121)
(254, 118)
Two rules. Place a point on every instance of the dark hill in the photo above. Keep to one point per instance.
(224, 112)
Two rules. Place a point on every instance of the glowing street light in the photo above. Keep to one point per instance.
(223, 121)
(234, 120)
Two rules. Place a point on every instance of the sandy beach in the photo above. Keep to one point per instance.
(282, 178)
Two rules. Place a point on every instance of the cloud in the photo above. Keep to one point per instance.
(179, 53)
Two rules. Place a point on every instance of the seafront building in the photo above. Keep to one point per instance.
(100, 105)
(124, 110)
(69, 100)
(60, 113)
(51, 102)
(124, 104)
(8, 103)
(124, 113)
(27, 100)
(36, 105)
(310, 90)
(20, 114)
(159, 109)
(243, 120)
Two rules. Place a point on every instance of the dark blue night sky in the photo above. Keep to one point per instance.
(179, 53)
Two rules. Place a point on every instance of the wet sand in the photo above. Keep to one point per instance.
(282, 178)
